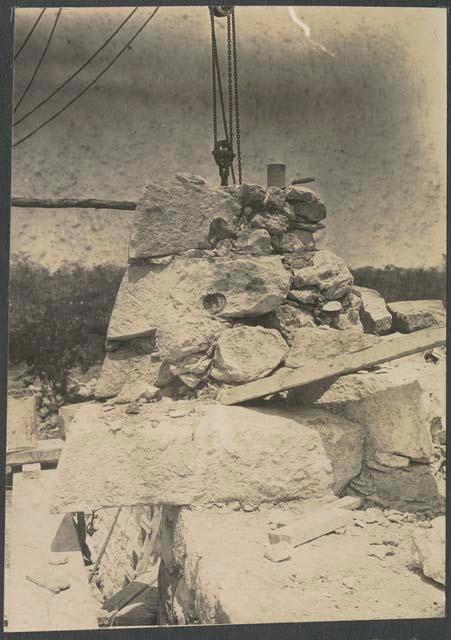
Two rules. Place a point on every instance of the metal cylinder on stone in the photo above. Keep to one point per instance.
(276, 175)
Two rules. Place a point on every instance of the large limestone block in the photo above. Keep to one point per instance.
(188, 300)
(326, 272)
(174, 217)
(190, 453)
(428, 549)
(376, 318)
(311, 344)
(412, 315)
(342, 439)
(390, 408)
(247, 353)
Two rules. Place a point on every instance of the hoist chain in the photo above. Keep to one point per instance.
(237, 101)
(223, 149)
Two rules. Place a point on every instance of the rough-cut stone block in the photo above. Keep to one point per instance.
(278, 552)
(294, 241)
(287, 319)
(174, 217)
(411, 489)
(375, 316)
(211, 454)
(389, 407)
(307, 204)
(247, 353)
(252, 195)
(124, 366)
(275, 224)
(255, 242)
(318, 344)
(412, 315)
(428, 550)
(324, 271)
(187, 301)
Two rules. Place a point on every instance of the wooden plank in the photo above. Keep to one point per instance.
(313, 525)
(46, 452)
(21, 432)
(317, 370)
(28, 606)
(73, 203)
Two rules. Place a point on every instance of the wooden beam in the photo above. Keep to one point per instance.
(73, 203)
(317, 370)
(313, 525)
(47, 452)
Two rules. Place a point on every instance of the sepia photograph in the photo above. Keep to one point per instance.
(226, 371)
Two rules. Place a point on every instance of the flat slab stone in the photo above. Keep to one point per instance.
(21, 423)
(175, 216)
(188, 301)
(197, 454)
(412, 315)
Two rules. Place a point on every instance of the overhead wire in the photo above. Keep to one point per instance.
(79, 70)
(30, 33)
(40, 61)
(88, 86)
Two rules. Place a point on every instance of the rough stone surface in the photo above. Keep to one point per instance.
(342, 440)
(412, 315)
(310, 344)
(247, 353)
(294, 241)
(186, 301)
(210, 454)
(306, 296)
(307, 204)
(375, 316)
(273, 223)
(287, 319)
(412, 489)
(122, 367)
(256, 242)
(253, 195)
(428, 550)
(174, 217)
(326, 272)
(390, 408)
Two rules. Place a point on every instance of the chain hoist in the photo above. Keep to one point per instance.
(223, 150)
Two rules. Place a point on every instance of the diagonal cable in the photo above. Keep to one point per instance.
(88, 86)
(40, 61)
(79, 70)
(30, 33)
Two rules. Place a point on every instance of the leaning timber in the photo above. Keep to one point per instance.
(350, 363)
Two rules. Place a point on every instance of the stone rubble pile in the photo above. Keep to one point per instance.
(225, 285)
